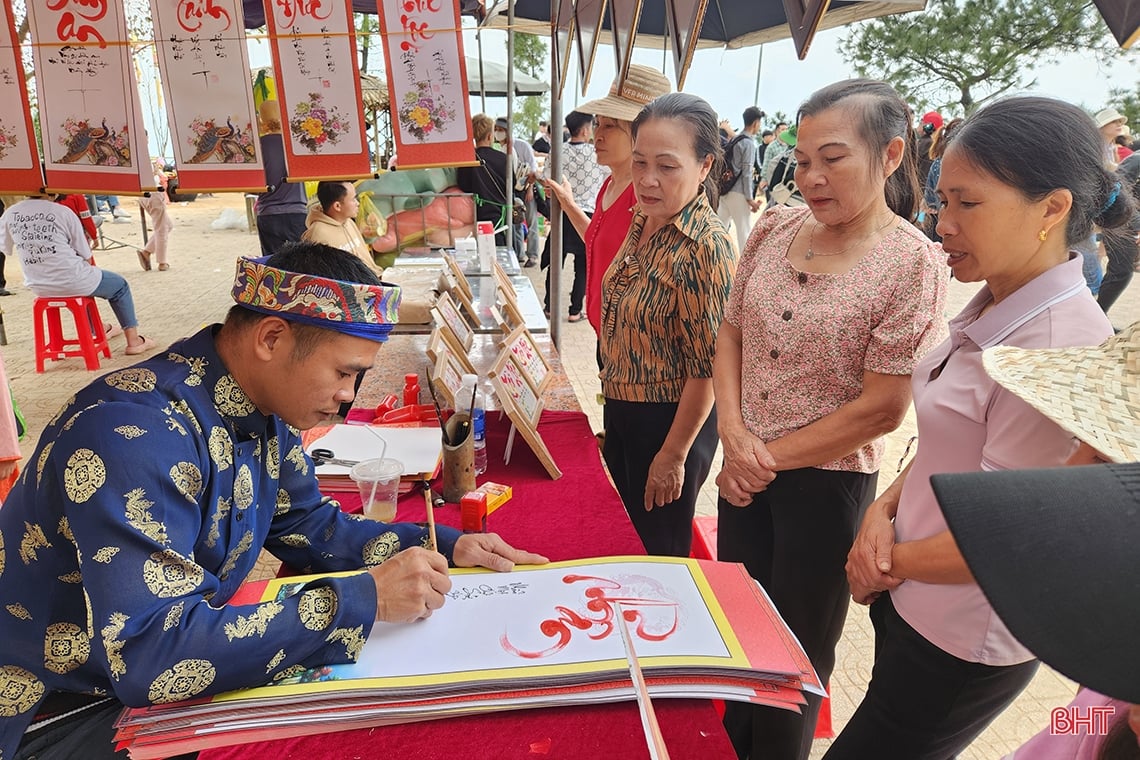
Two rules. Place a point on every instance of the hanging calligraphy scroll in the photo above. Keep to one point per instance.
(427, 79)
(204, 65)
(90, 120)
(685, 18)
(19, 159)
(588, 15)
(318, 84)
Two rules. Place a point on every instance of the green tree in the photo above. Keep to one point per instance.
(531, 57)
(957, 54)
(1128, 103)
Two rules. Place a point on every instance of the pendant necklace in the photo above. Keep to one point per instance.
(812, 253)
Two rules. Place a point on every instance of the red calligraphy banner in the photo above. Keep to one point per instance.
(318, 83)
(204, 65)
(19, 158)
(427, 79)
(90, 119)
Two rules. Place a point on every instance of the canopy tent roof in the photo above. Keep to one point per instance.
(495, 80)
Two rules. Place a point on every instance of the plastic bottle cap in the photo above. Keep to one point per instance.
(485, 228)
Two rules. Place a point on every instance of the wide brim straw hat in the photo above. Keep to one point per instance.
(642, 85)
(1108, 116)
(1091, 392)
(1054, 551)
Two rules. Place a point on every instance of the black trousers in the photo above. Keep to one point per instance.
(88, 735)
(571, 243)
(635, 431)
(794, 538)
(275, 230)
(1123, 253)
(923, 703)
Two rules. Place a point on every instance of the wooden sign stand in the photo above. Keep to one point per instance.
(516, 392)
(454, 326)
(460, 287)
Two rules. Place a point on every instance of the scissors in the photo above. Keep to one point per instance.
(326, 456)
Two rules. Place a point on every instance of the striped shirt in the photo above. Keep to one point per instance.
(662, 305)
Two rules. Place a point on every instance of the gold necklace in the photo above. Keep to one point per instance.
(811, 253)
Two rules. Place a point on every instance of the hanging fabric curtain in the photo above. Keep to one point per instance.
(19, 158)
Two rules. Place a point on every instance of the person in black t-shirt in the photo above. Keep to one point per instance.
(488, 180)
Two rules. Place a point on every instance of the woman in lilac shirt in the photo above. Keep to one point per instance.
(945, 663)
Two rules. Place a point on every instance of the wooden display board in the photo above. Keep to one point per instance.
(503, 281)
(460, 287)
(455, 327)
(535, 368)
(447, 375)
(523, 405)
(437, 344)
(506, 313)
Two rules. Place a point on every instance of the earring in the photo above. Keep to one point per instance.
(1042, 236)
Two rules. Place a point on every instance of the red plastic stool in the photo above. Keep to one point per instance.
(90, 338)
(704, 547)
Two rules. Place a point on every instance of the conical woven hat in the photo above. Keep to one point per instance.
(1092, 392)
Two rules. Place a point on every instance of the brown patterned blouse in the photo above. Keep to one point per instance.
(807, 338)
(662, 304)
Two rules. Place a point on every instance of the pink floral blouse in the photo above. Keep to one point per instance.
(808, 338)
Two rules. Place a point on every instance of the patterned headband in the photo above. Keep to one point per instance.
(366, 311)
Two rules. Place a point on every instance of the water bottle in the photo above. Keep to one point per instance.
(478, 428)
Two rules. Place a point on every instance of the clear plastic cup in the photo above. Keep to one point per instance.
(379, 483)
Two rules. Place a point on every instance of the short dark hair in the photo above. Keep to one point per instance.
(752, 114)
(1074, 161)
(309, 258)
(700, 120)
(329, 193)
(767, 133)
(576, 121)
(880, 116)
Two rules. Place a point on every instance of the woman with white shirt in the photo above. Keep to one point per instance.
(945, 663)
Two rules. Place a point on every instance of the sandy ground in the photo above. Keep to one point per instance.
(196, 291)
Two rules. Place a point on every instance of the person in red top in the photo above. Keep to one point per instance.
(78, 204)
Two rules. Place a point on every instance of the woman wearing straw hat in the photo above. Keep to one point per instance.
(945, 663)
(605, 230)
(662, 300)
(1071, 591)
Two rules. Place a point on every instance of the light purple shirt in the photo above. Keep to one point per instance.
(967, 422)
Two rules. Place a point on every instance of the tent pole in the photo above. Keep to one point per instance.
(510, 146)
(482, 79)
(759, 65)
(555, 237)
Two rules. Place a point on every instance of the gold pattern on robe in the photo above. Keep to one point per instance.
(20, 691)
(187, 478)
(84, 475)
(221, 511)
(296, 455)
(284, 503)
(64, 529)
(139, 517)
(381, 549)
(130, 432)
(182, 407)
(18, 610)
(289, 672)
(277, 658)
(71, 420)
(272, 459)
(317, 608)
(173, 615)
(425, 542)
(62, 410)
(243, 487)
(352, 638)
(230, 399)
(168, 574)
(33, 539)
(233, 557)
(188, 678)
(221, 448)
(296, 540)
(106, 554)
(133, 380)
(197, 365)
(255, 624)
(111, 644)
(66, 647)
(41, 461)
(73, 577)
(175, 426)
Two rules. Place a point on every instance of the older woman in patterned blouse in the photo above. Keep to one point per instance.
(663, 297)
(832, 306)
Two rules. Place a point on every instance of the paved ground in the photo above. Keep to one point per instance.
(195, 291)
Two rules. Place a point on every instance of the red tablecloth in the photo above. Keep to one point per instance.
(579, 515)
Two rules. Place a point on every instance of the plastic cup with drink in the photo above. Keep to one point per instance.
(378, 481)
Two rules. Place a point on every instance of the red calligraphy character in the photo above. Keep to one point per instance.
(91, 10)
(419, 6)
(417, 32)
(191, 12)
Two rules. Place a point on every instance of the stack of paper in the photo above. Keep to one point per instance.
(539, 636)
(419, 448)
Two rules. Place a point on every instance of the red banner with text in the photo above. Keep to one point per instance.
(318, 84)
(90, 120)
(19, 159)
(204, 64)
(427, 79)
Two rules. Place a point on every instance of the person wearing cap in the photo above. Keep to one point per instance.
(152, 493)
(605, 231)
(833, 305)
(945, 663)
(1071, 590)
(930, 125)
(1111, 124)
(526, 169)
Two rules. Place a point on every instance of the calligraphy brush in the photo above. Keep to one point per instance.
(435, 403)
